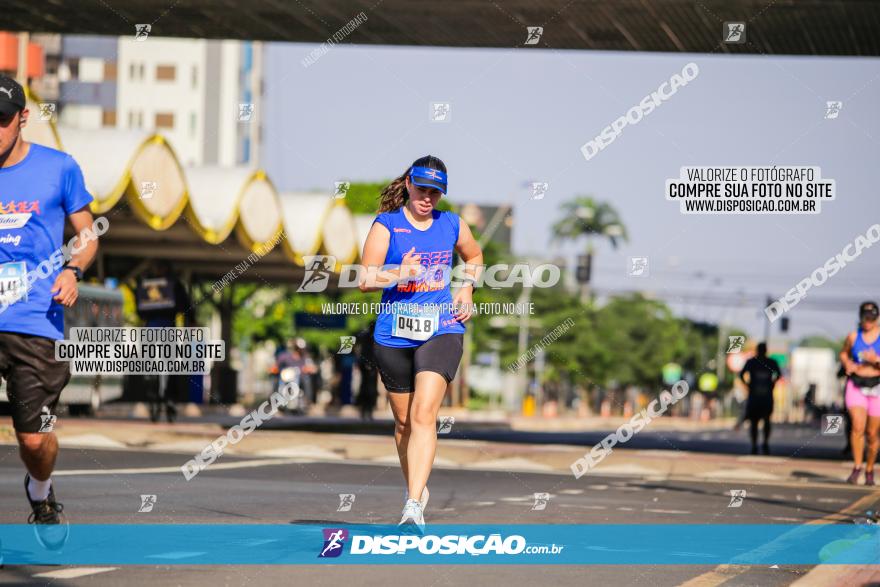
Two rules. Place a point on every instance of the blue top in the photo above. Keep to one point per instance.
(36, 195)
(435, 245)
(860, 346)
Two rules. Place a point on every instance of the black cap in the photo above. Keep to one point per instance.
(12, 98)
(869, 310)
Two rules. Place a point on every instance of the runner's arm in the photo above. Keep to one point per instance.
(742, 374)
(844, 355)
(470, 252)
(472, 255)
(373, 258)
(82, 220)
(64, 290)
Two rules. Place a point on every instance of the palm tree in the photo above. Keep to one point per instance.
(585, 217)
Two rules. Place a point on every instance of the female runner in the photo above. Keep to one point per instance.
(419, 331)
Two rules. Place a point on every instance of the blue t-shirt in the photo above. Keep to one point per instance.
(36, 196)
(436, 245)
(860, 346)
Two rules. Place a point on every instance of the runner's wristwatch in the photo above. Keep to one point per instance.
(76, 271)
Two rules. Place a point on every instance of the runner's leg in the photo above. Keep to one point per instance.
(400, 408)
(38, 451)
(873, 430)
(430, 389)
(857, 438)
(753, 432)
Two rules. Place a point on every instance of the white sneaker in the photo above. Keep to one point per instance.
(426, 495)
(412, 515)
(424, 500)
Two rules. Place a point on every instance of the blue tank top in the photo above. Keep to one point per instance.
(860, 346)
(436, 245)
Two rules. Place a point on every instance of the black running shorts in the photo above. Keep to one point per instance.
(398, 366)
(34, 379)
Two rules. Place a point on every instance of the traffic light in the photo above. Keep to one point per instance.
(584, 263)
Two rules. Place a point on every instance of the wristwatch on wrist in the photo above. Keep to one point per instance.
(471, 281)
(76, 271)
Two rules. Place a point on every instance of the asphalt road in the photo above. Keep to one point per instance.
(790, 440)
(98, 486)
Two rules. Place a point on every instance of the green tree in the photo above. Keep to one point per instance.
(584, 217)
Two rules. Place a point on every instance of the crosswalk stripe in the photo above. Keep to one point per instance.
(74, 572)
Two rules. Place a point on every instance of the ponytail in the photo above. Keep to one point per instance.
(394, 195)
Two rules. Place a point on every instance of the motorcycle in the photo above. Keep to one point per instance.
(292, 378)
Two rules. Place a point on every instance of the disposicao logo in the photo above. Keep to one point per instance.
(334, 542)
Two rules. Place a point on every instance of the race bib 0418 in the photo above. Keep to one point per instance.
(414, 323)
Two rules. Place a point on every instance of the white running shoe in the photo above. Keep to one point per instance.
(412, 515)
(426, 495)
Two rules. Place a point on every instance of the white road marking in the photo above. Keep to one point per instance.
(89, 441)
(482, 503)
(572, 491)
(657, 511)
(215, 466)
(762, 459)
(628, 469)
(738, 474)
(307, 451)
(666, 454)
(74, 572)
(832, 500)
(509, 464)
(624, 509)
(582, 507)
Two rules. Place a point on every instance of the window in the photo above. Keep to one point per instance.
(164, 120)
(109, 70)
(195, 77)
(108, 118)
(192, 124)
(131, 71)
(165, 73)
(73, 65)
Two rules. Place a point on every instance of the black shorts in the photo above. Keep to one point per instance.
(398, 366)
(759, 406)
(34, 379)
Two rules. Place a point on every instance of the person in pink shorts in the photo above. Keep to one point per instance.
(861, 361)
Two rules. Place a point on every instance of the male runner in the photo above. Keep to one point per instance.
(39, 188)
(763, 373)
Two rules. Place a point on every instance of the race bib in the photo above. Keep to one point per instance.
(13, 286)
(413, 323)
(871, 391)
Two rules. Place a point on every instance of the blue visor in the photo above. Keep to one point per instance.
(428, 178)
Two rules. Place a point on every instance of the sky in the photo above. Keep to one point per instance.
(519, 115)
